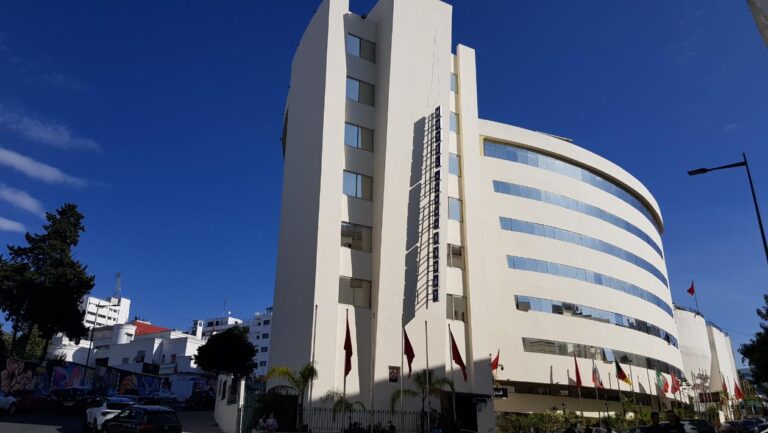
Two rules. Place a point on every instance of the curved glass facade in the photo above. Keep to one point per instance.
(551, 347)
(560, 270)
(530, 303)
(536, 159)
(585, 241)
(576, 206)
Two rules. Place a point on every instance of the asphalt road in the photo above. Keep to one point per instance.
(193, 422)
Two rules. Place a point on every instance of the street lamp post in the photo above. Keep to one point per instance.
(744, 164)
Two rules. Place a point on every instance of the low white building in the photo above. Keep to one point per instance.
(216, 324)
(137, 346)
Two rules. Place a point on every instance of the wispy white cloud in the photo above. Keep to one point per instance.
(37, 170)
(21, 200)
(11, 226)
(43, 131)
(731, 126)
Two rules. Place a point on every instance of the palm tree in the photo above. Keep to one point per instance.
(341, 403)
(423, 389)
(297, 381)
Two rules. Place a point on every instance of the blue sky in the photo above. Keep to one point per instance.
(161, 120)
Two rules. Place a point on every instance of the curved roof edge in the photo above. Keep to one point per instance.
(579, 155)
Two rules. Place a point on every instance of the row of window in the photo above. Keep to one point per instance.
(560, 270)
(585, 241)
(574, 205)
(529, 303)
(535, 159)
(551, 347)
(354, 291)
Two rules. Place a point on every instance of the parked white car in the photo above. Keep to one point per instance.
(7, 403)
(111, 406)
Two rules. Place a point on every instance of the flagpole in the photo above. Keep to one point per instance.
(429, 401)
(631, 383)
(618, 387)
(314, 339)
(344, 391)
(650, 387)
(402, 370)
(453, 394)
(696, 405)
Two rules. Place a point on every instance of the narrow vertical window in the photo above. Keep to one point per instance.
(454, 209)
(454, 122)
(357, 185)
(358, 137)
(455, 256)
(362, 48)
(454, 83)
(454, 165)
(360, 91)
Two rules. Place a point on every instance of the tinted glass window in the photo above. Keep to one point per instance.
(454, 166)
(454, 209)
(117, 406)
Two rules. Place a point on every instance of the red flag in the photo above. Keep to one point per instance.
(456, 356)
(596, 380)
(675, 383)
(495, 361)
(408, 350)
(737, 391)
(578, 375)
(691, 290)
(347, 351)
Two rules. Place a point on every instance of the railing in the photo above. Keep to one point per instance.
(325, 420)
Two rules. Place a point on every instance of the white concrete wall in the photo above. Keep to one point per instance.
(226, 414)
(694, 348)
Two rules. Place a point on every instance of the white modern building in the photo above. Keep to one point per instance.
(216, 324)
(105, 312)
(99, 312)
(259, 333)
(401, 206)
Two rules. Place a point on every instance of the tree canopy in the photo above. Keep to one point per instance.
(41, 284)
(228, 352)
(756, 350)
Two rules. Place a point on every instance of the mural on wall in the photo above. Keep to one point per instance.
(138, 384)
(68, 375)
(19, 375)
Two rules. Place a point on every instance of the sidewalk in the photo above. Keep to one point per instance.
(198, 422)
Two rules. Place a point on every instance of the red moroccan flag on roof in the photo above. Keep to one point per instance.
(347, 351)
(578, 374)
(408, 351)
(495, 361)
(456, 356)
(737, 391)
(691, 290)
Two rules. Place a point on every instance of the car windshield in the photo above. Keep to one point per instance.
(162, 418)
(117, 406)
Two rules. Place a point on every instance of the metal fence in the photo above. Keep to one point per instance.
(325, 420)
